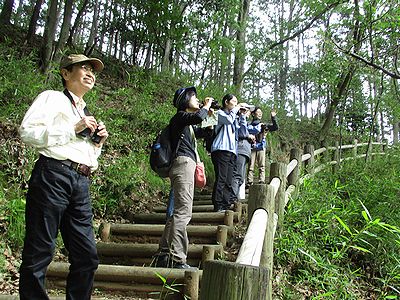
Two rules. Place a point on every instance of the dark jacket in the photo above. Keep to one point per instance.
(244, 146)
(179, 125)
(260, 132)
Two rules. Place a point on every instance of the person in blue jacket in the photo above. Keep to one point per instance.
(259, 129)
(245, 140)
(224, 152)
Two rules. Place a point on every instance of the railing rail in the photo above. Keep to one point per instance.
(266, 203)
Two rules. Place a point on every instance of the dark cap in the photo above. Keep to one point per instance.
(180, 96)
(72, 59)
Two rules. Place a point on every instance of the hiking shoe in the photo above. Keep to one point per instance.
(161, 261)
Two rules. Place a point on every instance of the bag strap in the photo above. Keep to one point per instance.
(69, 96)
(195, 143)
(179, 142)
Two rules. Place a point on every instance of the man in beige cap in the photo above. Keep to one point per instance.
(69, 141)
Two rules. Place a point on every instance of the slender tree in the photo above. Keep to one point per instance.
(65, 27)
(5, 15)
(91, 43)
(33, 21)
(240, 50)
(49, 36)
(78, 21)
(346, 75)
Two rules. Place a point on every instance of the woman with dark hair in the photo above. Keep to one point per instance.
(224, 152)
(174, 241)
(258, 148)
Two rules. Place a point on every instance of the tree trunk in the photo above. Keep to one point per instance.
(77, 22)
(240, 50)
(345, 78)
(65, 27)
(5, 16)
(93, 31)
(167, 52)
(396, 130)
(33, 21)
(48, 36)
(104, 22)
(147, 62)
(340, 91)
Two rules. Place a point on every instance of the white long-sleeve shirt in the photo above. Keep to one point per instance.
(48, 125)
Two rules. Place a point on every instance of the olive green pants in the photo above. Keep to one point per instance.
(174, 239)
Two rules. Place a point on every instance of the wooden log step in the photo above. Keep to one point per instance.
(53, 282)
(16, 297)
(199, 197)
(240, 207)
(202, 202)
(196, 208)
(226, 218)
(143, 232)
(143, 261)
(112, 273)
(138, 278)
(146, 250)
(198, 234)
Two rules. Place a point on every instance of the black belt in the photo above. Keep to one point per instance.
(80, 168)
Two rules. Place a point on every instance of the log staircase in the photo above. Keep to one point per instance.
(126, 253)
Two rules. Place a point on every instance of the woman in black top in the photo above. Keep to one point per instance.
(174, 240)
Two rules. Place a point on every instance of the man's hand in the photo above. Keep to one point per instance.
(102, 133)
(252, 138)
(86, 122)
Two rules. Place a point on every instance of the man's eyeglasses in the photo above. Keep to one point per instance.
(88, 68)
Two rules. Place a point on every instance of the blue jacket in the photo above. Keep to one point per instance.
(255, 128)
(227, 128)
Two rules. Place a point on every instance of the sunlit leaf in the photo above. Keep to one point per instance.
(343, 224)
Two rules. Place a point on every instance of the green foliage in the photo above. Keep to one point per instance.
(12, 218)
(169, 289)
(342, 232)
(19, 83)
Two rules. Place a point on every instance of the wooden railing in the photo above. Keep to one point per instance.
(250, 276)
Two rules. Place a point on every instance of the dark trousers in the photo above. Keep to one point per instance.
(223, 194)
(239, 174)
(58, 198)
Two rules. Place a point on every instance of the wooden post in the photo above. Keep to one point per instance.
(228, 219)
(191, 284)
(309, 164)
(355, 148)
(279, 170)
(293, 177)
(222, 235)
(105, 231)
(208, 254)
(336, 157)
(224, 280)
(267, 255)
(238, 209)
(256, 199)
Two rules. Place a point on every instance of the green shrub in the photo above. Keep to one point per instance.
(343, 232)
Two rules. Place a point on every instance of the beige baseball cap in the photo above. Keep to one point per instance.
(71, 59)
